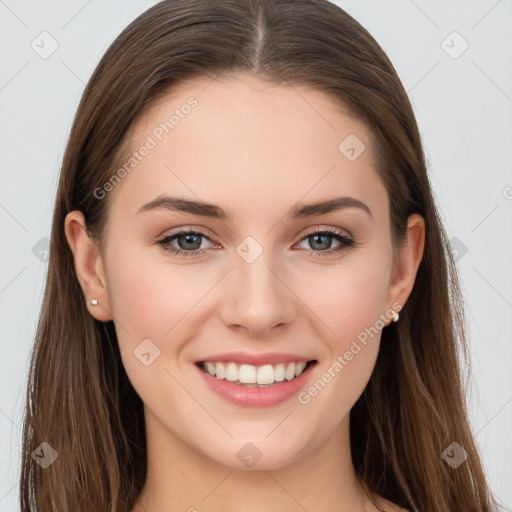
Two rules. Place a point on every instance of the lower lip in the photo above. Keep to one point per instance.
(255, 396)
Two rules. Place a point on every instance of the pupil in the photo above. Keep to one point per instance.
(190, 239)
(326, 245)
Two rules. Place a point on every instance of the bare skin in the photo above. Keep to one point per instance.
(256, 150)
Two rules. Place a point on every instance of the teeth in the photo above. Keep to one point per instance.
(231, 371)
(279, 372)
(249, 374)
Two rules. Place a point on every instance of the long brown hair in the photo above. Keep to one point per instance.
(79, 398)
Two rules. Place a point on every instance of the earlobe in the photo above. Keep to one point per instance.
(407, 262)
(88, 266)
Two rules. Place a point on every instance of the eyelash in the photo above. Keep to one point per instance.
(345, 242)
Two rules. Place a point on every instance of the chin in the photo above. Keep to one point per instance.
(257, 454)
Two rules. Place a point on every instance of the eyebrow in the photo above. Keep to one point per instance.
(216, 212)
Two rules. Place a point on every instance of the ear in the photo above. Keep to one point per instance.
(88, 266)
(407, 262)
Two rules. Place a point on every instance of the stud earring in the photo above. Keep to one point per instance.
(396, 316)
(94, 302)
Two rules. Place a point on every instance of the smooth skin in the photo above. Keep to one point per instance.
(256, 150)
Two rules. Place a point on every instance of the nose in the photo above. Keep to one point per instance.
(256, 297)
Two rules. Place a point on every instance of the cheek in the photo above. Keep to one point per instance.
(154, 299)
(348, 297)
(349, 301)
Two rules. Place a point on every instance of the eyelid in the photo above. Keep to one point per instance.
(345, 241)
(186, 228)
(187, 231)
(327, 229)
(204, 232)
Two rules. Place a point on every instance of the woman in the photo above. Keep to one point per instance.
(249, 303)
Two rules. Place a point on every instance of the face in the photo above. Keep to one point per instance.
(254, 273)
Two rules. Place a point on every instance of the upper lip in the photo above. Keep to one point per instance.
(255, 359)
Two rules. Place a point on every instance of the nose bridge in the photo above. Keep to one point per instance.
(257, 298)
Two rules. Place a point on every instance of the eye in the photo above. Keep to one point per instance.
(189, 242)
(321, 242)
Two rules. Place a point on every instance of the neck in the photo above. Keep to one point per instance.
(321, 480)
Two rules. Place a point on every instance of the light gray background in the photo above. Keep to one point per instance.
(463, 107)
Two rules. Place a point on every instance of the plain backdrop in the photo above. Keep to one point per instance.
(455, 60)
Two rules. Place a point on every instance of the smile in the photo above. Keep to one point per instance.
(247, 385)
(246, 374)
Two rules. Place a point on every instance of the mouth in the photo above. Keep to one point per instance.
(251, 376)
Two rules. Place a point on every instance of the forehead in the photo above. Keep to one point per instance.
(238, 140)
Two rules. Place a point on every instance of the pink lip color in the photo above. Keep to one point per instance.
(255, 396)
